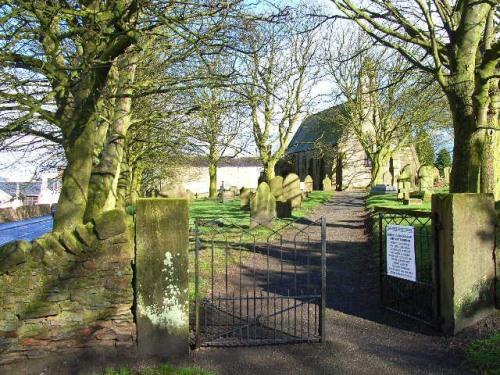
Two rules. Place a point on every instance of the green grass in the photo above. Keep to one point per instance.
(391, 201)
(159, 370)
(483, 356)
(230, 213)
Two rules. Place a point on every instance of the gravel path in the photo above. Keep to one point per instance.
(362, 337)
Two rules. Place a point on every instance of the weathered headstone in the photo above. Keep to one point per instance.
(234, 189)
(276, 186)
(262, 206)
(308, 184)
(162, 242)
(245, 195)
(174, 191)
(327, 184)
(404, 182)
(426, 176)
(291, 190)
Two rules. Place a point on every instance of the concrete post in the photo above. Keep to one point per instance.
(467, 270)
(162, 277)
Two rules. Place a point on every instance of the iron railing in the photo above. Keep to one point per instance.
(417, 299)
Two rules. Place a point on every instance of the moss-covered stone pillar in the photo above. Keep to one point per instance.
(162, 277)
(467, 269)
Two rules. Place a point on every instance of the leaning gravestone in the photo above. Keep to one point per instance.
(426, 176)
(291, 190)
(262, 206)
(245, 195)
(327, 184)
(308, 184)
(276, 186)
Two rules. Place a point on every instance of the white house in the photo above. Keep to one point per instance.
(46, 190)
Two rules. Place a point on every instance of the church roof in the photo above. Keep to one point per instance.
(319, 126)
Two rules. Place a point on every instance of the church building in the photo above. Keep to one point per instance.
(321, 147)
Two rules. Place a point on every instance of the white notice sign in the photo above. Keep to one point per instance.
(401, 252)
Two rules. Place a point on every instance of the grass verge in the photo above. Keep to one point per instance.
(483, 356)
(157, 370)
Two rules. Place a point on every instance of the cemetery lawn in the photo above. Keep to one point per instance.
(391, 201)
(234, 221)
(229, 212)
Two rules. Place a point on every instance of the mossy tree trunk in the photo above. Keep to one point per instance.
(461, 42)
(104, 178)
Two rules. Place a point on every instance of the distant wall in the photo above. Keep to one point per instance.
(23, 212)
(197, 179)
(68, 291)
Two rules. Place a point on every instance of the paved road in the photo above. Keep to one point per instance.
(25, 229)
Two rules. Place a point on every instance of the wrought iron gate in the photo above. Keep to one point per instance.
(258, 286)
(417, 299)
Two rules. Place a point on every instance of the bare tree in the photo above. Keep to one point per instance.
(384, 101)
(279, 73)
(457, 42)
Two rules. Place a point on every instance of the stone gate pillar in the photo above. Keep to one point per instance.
(466, 246)
(162, 308)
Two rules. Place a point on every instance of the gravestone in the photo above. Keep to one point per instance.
(308, 184)
(327, 184)
(174, 191)
(291, 190)
(276, 186)
(162, 244)
(262, 206)
(245, 196)
(404, 182)
(426, 176)
(234, 190)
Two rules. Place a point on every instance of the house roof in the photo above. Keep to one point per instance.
(28, 189)
(319, 126)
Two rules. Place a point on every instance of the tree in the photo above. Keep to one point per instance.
(58, 82)
(279, 72)
(457, 42)
(218, 127)
(384, 102)
(443, 160)
(424, 148)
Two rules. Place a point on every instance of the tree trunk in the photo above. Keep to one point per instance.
(104, 178)
(379, 160)
(73, 197)
(135, 185)
(474, 152)
(269, 172)
(123, 184)
(212, 172)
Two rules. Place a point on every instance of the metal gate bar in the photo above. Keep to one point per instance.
(418, 300)
(262, 289)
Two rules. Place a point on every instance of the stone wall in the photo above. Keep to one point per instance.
(23, 212)
(68, 291)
